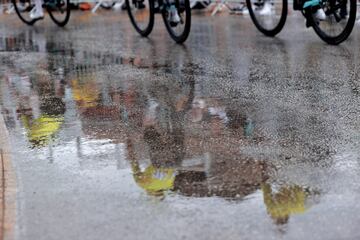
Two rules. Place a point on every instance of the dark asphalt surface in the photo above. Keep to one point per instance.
(231, 136)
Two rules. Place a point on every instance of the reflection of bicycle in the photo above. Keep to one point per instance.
(59, 10)
(176, 15)
(333, 26)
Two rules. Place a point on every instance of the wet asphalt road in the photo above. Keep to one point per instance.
(231, 136)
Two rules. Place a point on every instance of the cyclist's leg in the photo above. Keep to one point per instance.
(314, 6)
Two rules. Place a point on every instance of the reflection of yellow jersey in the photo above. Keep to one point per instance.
(289, 200)
(42, 129)
(85, 94)
(154, 180)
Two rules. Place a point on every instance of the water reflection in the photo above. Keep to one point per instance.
(178, 137)
(184, 160)
(286, 201)
(42, 130)
(154, 180)
(39, 106)
(84, 91)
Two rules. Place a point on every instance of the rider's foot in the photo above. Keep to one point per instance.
(266, 10)
(174, 17)
(35, 14)
(117, 6)
(10, 10)
(124, 6)
(320, 14)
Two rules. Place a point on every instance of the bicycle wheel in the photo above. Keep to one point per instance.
(23, 8)
(269, 16)
(177, 18)
(339, 21)
(141, 14)
(59, 11)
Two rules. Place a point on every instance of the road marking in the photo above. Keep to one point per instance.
(7, 187)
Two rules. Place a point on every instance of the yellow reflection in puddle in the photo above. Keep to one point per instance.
(41, 130)
(155, 181)
(287, 201)
(85, 94)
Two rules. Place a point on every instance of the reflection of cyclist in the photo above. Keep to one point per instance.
(154, 180)
(287, 201)
(85, 92)
(163, 124)
(41, 130)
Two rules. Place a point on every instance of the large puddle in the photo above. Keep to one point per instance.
(254, 149)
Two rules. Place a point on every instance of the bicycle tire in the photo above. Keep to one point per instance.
(185, 33)
(19, 13)
(335, 40)
(269, 32)
(67, 16)
(147, 30)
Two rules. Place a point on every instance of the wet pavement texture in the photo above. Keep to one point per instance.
(231, 136)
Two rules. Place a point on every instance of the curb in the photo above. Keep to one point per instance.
(7, 187)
